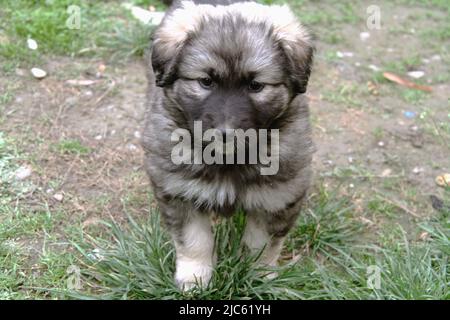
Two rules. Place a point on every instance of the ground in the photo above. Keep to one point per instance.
(72, 177)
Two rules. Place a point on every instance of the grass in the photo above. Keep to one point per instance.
(71, 146)
(137, 262)
(106, 30)
(346, 94)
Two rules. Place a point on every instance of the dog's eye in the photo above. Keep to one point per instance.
(255, 86)
(206, 82)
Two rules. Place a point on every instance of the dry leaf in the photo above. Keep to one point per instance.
(443, 180)
(406, 83)
(101, 68)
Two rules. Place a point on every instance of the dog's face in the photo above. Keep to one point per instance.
(231, 67)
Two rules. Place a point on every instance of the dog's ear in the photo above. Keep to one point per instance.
(299, 56)
(296, 43)
(164, 58)
(169, 39)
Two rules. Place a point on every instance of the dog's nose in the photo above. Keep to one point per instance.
(226, 133)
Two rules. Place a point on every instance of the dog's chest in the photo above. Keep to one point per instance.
(224, 194)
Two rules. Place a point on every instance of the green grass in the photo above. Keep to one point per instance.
(346, 94)
(137, 262)
(71, 146)
(31, 254)
(106, 30)
(413, 96)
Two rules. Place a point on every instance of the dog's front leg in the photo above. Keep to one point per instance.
(194, 244)
(267, 230)
(257, 237)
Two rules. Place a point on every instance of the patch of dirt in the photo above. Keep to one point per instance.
(106, 117)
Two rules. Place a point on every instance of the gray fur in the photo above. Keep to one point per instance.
(234, 51)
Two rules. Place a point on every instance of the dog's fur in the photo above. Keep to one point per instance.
(232, 43)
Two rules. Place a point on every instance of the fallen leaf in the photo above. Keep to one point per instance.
(101, 68)
(406, 83)
(372, 87)
(443, 180)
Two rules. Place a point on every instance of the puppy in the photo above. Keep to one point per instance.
(228, 65)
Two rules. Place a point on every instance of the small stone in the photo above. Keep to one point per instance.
(137, 134)
(436, 57)
(424, 236)
(38, 73)
(32, 44)
(418, 170)
(381, 144)
(351, 185)
(23, 172)
(58, 197)
(99, 137)
(374, 68)
(113, 132)
(132, 147)
(416, 74)
(364, 36)
(350, 159)
(386, 172)
(80, 82)
(340, 54)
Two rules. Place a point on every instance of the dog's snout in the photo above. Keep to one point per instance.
(225, 133)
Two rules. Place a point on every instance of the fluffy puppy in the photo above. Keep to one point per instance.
(229, 65)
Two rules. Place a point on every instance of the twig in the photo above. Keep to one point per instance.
(398, 205)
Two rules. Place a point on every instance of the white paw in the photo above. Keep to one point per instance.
(192, 273)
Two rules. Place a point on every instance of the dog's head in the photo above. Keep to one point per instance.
(235, 66)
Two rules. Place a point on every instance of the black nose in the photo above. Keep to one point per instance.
(226, 133)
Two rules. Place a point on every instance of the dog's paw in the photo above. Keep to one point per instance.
(191, 274)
